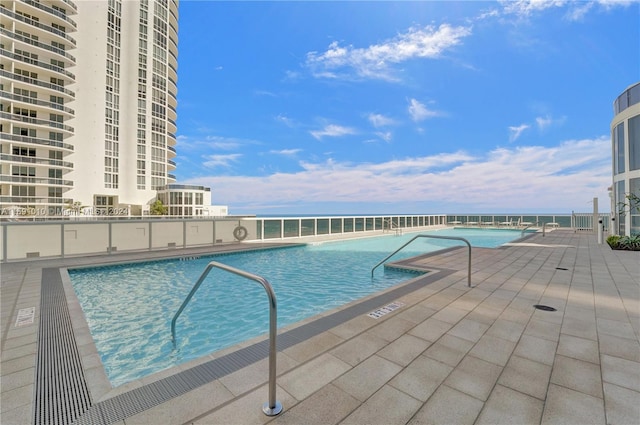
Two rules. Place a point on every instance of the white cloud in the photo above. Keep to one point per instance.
(216, 161)
(286, 152)
(332, 130)
(285, 120)
(559, 178)
(576, 10)
(544, 122)
(515, 132)
(420, 112)
(384, 135)
(375, 61)
(379, 120)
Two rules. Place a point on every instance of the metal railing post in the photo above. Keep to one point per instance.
(272, 407)
(433, 237)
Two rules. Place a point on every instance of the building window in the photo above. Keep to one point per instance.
(634, 143)
(618, 149)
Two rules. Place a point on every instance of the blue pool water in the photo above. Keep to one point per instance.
(129, 307)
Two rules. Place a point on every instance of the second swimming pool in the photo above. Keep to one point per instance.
(129, 307)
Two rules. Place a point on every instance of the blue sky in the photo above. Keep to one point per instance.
(402, 107)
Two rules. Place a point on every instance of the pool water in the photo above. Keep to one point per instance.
(129, 307)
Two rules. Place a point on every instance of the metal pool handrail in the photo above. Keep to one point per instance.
(434, 237)
(273, 407)
(525, 229)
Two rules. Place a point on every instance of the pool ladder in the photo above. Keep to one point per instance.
(273, 407)
(433, 237)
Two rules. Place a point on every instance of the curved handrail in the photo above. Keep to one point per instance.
(272, 407)
(523, 230)
(434, 237)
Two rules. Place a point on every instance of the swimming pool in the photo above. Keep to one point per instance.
(129, 307)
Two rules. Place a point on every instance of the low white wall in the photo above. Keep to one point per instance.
(33, 240)
(86, 238)
(167, 234)
(199, 233)
(130, 236)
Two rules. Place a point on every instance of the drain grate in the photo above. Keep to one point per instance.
(544, 307)
(61, 393)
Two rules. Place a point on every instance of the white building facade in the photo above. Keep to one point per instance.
(625, 141)
(88, 104)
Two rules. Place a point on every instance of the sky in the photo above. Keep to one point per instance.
(426, 107)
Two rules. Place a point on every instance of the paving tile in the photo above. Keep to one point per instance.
(244, 410)
(449, 350)
(526, 376)
(475, 377)
(506, 406)
(566, 406)
(366, 378)
(431, 329)
(615, 328)
(493, 349)
(185, 407)
(543, 329)
(450, 314)
(448, 406)
(312, 376)
(359, 348)
(621, 372)
(387, 406)
(421, 378)
(417, 314)
(577, 375)
(622, 405)
(536, 349)
(404, 350)
(469, 330)
(329, 405)
(505, 329)
(628, 349)
(310, 348)
(392, 328)
(579, 348)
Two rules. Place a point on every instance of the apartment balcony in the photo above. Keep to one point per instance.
(43, 10)
(35, 141)
(47, 124)
(36, 28)
(35, 181)
(19, 159)
(34, 101)
(53, 88)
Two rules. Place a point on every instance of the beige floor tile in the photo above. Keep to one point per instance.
(392, 328)
(543, 329)
(622, 405)
(474, 376)
(448, 406)
(536, 349)
(387, 406)
(577, 375)
(450, 314)
(421, 378)
(329, 405)
(628, 349)
(511, 331)
(565, 406)
(526, 376)
(615, 328)
(621, 372)
(579, 348)
(404, 350)
(469, 330)
(493, 349)
(359, 348)
(449, 349)
(312, 376)
(506, 406)
(366, 378)
(431, 329)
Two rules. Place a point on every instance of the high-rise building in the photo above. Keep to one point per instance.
(625, 141)
(88, 104)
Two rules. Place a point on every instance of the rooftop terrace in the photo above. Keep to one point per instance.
(446, 354)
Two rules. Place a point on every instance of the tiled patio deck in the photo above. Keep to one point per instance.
(451, 354)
